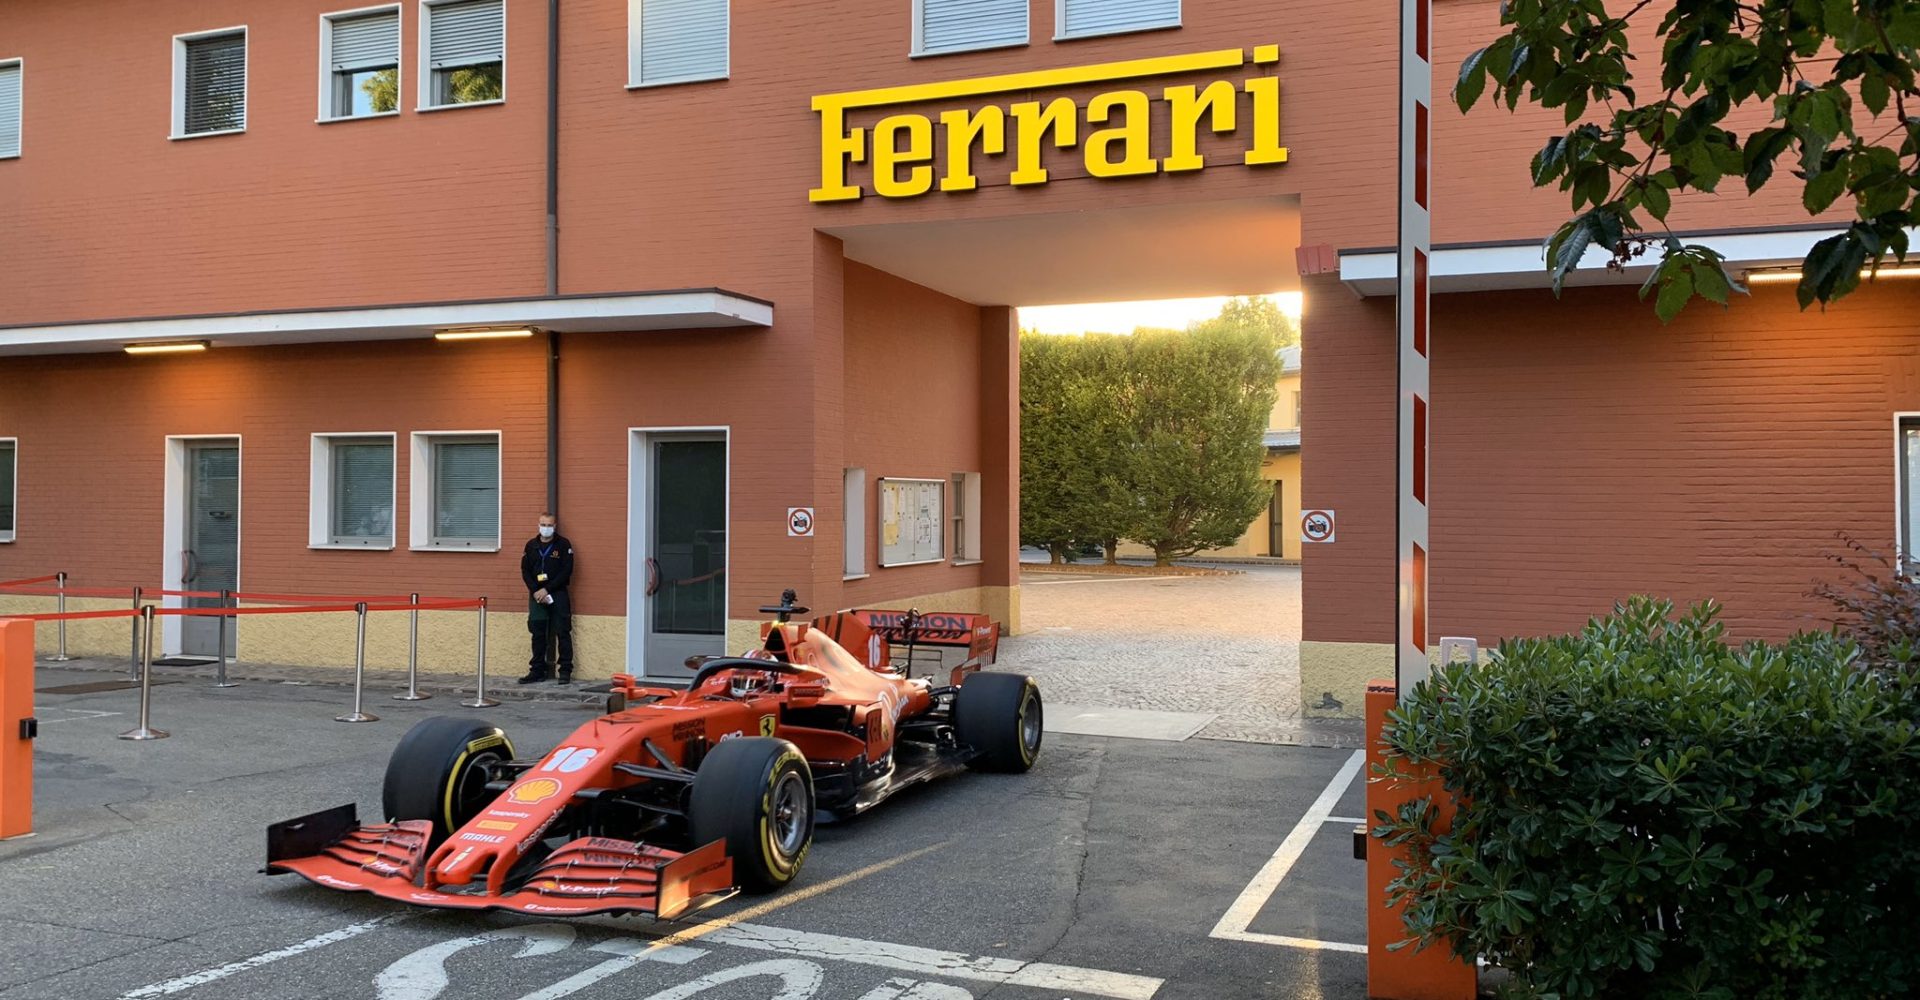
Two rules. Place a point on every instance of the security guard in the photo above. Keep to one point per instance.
(546, 567)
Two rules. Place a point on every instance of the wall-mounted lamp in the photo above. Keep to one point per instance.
(1790, 275)
(166, 347)
(496, 334)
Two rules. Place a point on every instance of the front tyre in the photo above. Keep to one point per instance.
(1000, 716)
(439, 772)
(755, 793)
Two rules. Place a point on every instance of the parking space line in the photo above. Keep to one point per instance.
(1344, 819)
(1234, 923)
(266, 957)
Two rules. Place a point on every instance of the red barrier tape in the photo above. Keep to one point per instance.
(450, 605)
(30, 580)
(297, 598)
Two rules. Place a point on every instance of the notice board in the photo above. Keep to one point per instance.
(912, 521)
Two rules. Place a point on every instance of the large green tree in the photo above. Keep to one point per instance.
(1073, 418)
(1201, 402)
(1252, 314)
(1839, 76)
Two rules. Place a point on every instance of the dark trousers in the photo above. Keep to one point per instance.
(557, 625)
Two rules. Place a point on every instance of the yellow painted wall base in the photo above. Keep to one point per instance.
(447, 638)
(1340, 670)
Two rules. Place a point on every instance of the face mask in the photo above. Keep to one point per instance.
(546, 531)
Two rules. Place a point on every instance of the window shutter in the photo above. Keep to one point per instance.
(6, 487)
(682, 40)
(370, 41)
(466, 491)
(362, 491)
(216, 98)
(9, 114)
(469, 33)
(1101, 17)
(971, 24)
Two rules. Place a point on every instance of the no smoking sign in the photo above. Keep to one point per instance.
(1316, 526)
(799, 522)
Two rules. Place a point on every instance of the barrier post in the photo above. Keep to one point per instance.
(133, 650)
(1435, 972)
(359, 667)
(17, 728)
(480, 699)
(145, 731)
(220, 672)
(61, 583)
(413, 654)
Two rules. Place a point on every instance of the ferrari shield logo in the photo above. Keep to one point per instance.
(767, 725)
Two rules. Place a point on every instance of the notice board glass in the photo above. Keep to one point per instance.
(912, 521)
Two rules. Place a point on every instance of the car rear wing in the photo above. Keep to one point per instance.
(872, 634)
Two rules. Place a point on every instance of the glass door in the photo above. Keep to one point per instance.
(686, 566)
(211, 561)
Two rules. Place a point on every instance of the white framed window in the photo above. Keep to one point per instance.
(942, 26)
(454, 480)
(360, 63)
(9, 487)
(351, 503)
(210, 83)
(677, 41)
(1907, 486)
(964, 511)
(12, 72)
(463, 53)
(853, 483)
(1090, 18)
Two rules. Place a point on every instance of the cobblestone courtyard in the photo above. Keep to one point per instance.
(1225, 645)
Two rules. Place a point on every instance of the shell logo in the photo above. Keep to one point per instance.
(536, 790)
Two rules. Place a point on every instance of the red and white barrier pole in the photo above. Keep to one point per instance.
(17, 728)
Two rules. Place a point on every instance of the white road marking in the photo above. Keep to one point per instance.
(937, 963)
(632, 952)
(422, 975)
(172, 986)
(1233, 924)
(798, 980)
(78, 713)
(1343, 819)
(1104, 579)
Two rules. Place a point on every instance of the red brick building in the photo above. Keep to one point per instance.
(766, 256)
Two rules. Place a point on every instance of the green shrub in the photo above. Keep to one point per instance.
(1648, 812)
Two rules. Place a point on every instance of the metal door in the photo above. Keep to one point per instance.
(686, 566)
(1277, 521)
(211, 560)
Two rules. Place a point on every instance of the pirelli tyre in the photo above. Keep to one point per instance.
(999, 716)
(755, 793)
(438, 772)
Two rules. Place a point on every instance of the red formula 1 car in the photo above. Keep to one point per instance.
(675, 799)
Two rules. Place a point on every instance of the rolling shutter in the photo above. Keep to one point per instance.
(468, 33)
(1103, 17)
(9, 130)
(362, 491)
(949, 25)
(370, 41)
(466, 492)
(682, 40)
(216, 97)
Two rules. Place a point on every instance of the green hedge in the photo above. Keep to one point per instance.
(1649, 812)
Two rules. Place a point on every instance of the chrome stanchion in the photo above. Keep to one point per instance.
(413, 654)
(62, 656)
(359, 667)
(133, 651)
(480, 699)
(145, 731)
(220, 672)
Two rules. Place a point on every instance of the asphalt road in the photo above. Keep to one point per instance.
(1101, 873)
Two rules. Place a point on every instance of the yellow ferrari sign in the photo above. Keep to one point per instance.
(901, 147)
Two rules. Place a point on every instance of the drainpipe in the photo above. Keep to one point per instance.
(553, 251)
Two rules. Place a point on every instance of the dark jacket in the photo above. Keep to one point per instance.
(554, 558)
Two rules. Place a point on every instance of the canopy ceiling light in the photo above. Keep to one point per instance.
(1792, 274)
(166, 347)
(484, 334)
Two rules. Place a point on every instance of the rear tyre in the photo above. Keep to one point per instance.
(438, 772)
(755, 793)
(1000, 715)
